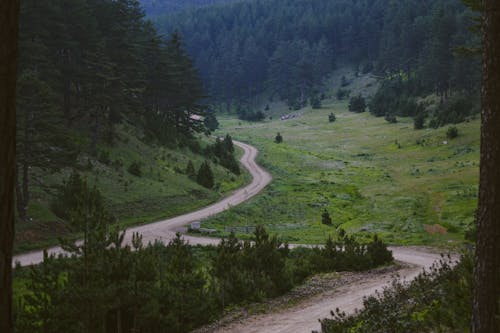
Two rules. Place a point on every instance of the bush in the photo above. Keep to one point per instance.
(332, 117)
(211, 122)
(104, 157)
(452, 132)
(205, 176)
(357, 104)
(278, 138)
(455, 110)
(396, 97)
(135, 169)
(79, 204)
(404, 307)
(418, 121)
(190, 171)
(325, 218)
(391, 118)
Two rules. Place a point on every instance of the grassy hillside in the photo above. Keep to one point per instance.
(163, 190)
(411, 187)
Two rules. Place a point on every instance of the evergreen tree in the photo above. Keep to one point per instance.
(205, 175)
(190, 171)
(331, 117)
(325, 218)
(357, 104)
(279, 138)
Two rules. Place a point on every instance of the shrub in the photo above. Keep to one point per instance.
(211, 122)
(391, 118)
(279, 138)
(357, 104)
(135, 169)
(104, 157)
(79, 204)
(418, 121)
(205, 175)
(325, 218)
(190, 171)
(404, 307)
(455, 110)
(452, 132)
(332, 117)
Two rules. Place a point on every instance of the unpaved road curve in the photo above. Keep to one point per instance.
(303, 317)
(165, 230)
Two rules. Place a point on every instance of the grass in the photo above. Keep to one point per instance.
(162, 191)
(372, 177)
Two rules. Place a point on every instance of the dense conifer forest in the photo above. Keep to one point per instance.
(285, 49)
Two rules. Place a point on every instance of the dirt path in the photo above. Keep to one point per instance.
(165, 230)
(303, 317)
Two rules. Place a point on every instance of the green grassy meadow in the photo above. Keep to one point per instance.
(372, 177)
(163, 190)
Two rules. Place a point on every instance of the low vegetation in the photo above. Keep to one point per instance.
(372, 176)
(108, 286)
(435, 301)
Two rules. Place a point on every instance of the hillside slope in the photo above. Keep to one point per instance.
(163, 189)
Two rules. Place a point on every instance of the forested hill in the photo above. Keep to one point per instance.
(287, 47)
(102, 93)
(155, 8)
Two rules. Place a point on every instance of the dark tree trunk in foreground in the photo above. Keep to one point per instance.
(487, 266)
(9, 11)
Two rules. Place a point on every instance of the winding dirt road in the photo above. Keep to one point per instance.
(165, 230)
(302, 317)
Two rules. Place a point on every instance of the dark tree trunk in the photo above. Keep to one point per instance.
(9, 15)
(487, 260)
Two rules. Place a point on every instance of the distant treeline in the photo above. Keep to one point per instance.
(160, 7)
(87, 65)
(287, 47)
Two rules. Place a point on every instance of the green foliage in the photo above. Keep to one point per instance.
(396, 97)
(456, 109)
(357, 104)
(251, 270)
(79, 203)
(278, 138)
(325, 218)
(331, 117)
(452, 132)
(135, 168)
(205, 175)
(105, 285)
(190, 171)
(391, 118)
(418, 121)
(223, 150)
(211, 122)
(435, 301)
(288, 47)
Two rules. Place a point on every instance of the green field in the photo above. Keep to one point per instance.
(372, 177)
(162, 191)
